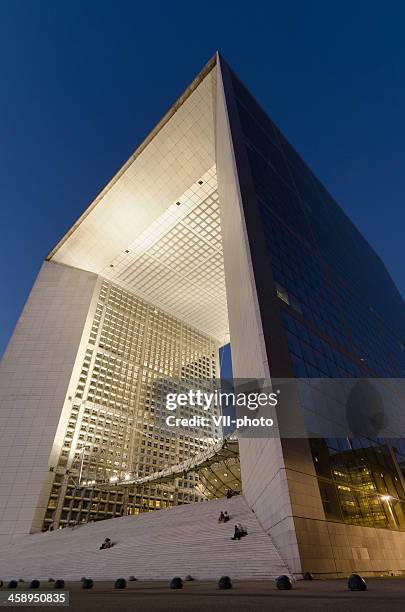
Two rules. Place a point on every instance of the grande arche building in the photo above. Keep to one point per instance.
(214, 230)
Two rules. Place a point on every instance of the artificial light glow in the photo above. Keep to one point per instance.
(386, 497)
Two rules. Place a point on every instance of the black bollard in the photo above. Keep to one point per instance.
(13, 584)
(308, 576)
(87, 583)
(59, 584)
(176, 583)
(35, 584)
(120, 583)
(283, 583)
(225, 583)
(356, 583)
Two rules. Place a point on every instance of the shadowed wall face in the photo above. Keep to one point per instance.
(339, 315)
(328, 274)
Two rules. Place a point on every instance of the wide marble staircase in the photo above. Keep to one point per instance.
(155, 545)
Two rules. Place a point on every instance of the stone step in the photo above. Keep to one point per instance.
(155, 545)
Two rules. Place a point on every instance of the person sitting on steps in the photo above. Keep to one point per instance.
(226, 517)
(106, 544)
(240, 531)
(221, 518)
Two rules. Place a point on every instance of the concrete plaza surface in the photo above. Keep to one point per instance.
(382, 594)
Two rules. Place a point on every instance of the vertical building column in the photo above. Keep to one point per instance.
(34, 379)
(254, 324)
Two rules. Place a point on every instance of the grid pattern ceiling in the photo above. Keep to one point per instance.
(156, 230)
(177, 263)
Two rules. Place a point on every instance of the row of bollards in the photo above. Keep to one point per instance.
(35, 584)
(177, 583)
(355, 582)
(283, 583)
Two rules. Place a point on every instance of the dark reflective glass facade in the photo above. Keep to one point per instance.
(341, 313)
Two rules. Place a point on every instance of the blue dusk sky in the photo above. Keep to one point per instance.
(82, 83)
